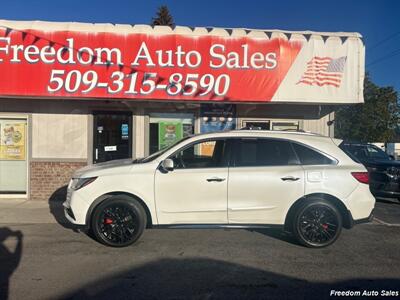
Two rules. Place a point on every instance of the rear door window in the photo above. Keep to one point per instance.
(308, 156)
(263, 152)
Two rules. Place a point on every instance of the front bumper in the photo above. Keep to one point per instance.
(385, 193)
(75, 208)
(382, 185)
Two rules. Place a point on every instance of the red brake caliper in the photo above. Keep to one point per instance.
(108, 221)
(325, 226)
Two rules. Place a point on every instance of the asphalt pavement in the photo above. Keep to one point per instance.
(48, 260)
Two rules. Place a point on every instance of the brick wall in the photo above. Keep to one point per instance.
(48, 177)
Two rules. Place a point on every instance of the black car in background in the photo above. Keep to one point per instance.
(384, 170)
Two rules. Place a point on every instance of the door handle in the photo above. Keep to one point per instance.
(290, 178)
(215, 179)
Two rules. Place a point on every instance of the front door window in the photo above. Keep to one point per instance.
(206, 154)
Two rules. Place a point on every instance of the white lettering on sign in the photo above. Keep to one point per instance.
(235, 60)
(196, 83)
(143, 53)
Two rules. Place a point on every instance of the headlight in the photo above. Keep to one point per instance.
(78, 183)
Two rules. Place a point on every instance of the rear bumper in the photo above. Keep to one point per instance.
(353, 222)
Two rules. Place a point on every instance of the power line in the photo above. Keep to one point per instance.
(384, 40)
(394, 53)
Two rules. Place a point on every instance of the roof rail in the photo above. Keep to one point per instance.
(283, 130)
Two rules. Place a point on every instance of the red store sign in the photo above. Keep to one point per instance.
(77, 64)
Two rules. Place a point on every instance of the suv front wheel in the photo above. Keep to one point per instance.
(317, 223)
(118, 221)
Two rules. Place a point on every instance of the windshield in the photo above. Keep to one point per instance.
(153, 156)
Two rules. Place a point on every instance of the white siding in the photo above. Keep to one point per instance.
(319, 126)
(59, 136)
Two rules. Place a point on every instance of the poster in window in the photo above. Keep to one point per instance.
(217, 117)
(169, 133)
(12, 141)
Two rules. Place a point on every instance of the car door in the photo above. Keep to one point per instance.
(195, 191)
(265, 178)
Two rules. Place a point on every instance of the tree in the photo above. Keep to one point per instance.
(374, 121)
(163, 17)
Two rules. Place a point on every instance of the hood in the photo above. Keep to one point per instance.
(90, 170)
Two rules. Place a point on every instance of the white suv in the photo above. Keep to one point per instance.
(301, 182)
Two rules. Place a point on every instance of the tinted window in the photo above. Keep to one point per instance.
(376, 153)
(205, 154)
(349, 150)
(263, 152)
(309, 156)
(365, 152)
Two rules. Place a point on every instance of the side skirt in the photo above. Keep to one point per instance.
(218, 226)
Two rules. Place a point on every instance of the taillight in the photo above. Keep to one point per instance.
(362, 177)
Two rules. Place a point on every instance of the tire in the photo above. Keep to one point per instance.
(317, 223)
(118, 221)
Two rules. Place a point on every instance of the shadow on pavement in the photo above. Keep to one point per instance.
(202, 278)
(278, 234)
(387, 210)
(57, 210)
(9, 259)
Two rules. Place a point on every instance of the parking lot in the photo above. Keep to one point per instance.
(55, 262)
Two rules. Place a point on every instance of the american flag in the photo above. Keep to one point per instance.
(324, 71)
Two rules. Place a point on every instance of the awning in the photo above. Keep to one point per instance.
(207, 64)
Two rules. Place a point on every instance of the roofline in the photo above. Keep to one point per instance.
(147, 29)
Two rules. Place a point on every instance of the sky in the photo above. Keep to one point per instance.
(377, 20)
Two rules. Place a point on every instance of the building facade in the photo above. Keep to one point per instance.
(73, 94)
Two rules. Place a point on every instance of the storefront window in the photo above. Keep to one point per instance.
(257, 124)
(217, 117)
(168, 128)
(13, 156)
(285, 126)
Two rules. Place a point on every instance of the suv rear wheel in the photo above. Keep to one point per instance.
(317, 223)
(118, 221)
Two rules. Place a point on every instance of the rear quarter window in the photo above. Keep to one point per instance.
(308, 156)
(350, 151)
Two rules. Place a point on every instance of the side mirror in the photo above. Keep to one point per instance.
(167, 164)
(392, 157)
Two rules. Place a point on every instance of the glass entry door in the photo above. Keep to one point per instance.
(112, 136)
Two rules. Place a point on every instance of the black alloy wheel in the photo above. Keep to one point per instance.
(317, 224)
(118, 221)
